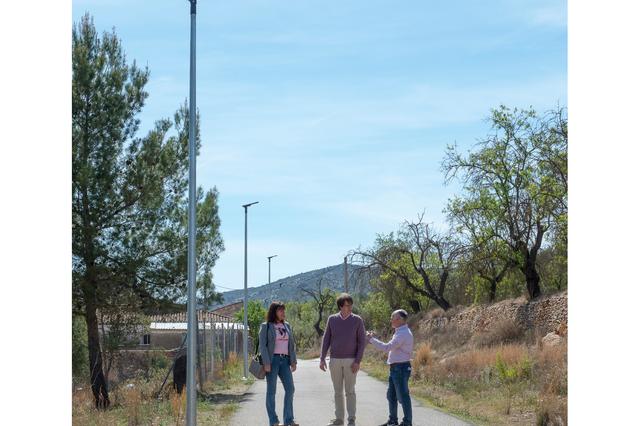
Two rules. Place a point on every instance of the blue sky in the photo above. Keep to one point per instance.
(333, 114)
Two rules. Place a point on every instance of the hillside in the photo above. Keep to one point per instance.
(290, 288)
(498, 364)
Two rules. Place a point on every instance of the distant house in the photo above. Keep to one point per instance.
(167, 331)
(229, 310)
(166, 334)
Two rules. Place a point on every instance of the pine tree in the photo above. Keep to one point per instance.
(129, 194)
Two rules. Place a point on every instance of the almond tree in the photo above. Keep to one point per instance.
(516, 181)
(419, 256)
(322, 299)
(488, 257)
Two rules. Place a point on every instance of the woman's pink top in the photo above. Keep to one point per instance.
(282, 340)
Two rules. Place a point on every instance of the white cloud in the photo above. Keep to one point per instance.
(554, 16)
(335, 156)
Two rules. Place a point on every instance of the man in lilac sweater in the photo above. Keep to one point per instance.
(345, 336)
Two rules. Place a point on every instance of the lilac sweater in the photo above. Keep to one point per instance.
(345, 337)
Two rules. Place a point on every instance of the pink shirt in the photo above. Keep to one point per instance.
(282, 340)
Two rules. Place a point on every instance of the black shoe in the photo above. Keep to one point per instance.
(405, 424)
(388, 423)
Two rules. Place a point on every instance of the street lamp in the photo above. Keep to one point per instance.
(192, 337)
(245, 337)
(270, 257)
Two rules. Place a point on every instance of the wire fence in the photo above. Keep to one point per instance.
(218, 337)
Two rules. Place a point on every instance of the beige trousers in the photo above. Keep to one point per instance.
(344, 382)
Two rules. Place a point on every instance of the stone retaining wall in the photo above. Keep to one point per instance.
(544, 315)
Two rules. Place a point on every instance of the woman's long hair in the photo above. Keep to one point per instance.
(273, 308)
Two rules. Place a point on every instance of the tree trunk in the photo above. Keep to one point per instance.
(317, 324)
(98, 382)
(533, 281)
(532, 277)
(442, 302)
(492, 290)
(415, 305)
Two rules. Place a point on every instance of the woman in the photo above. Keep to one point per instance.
(277, 348)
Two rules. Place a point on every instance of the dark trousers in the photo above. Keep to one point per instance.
(398, 391)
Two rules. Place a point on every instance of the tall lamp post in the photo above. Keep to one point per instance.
(191, 250)
(270, 257)
(245, 336)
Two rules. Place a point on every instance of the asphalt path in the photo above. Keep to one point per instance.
(313, 402)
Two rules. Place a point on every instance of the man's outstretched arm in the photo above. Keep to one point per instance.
(386, 347)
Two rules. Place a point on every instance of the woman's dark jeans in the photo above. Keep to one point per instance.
(280, 367)
(398, 391)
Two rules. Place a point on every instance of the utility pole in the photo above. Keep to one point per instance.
(269, 258)
(346, 278)
(245, 335)
(192, 339)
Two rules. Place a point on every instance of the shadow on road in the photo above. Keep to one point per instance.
(225, 397)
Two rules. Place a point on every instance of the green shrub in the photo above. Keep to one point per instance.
(512, 377)
(79, 350)
(511, 373)
(158, 361)
(255, 316)
(376, 312)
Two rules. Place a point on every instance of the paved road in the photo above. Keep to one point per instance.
(313, 402)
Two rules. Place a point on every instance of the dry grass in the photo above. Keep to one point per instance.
(503, 376)
(134, 402)
(449, 338)
(178, 406)
(503, 384)
(474, 363)
(227, 378)
(550, 356)
(436, 313)
(551, 369)
(505, 331)
(232, 369)
(424, 355)
(551, 411)
(441, 313)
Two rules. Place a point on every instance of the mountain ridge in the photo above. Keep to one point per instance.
(290, 288)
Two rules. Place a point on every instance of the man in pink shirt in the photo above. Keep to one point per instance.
(400, 348)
